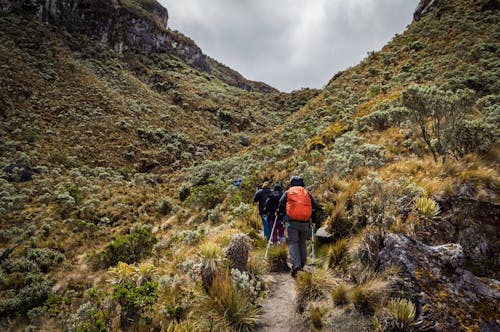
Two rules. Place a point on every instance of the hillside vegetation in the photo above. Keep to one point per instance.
(116, 195)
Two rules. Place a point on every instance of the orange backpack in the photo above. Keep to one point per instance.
(298, 204)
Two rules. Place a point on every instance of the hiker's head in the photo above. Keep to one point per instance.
(296, 181)
(265, 184)
(277, 187)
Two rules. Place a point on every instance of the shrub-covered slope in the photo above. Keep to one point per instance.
(116, 194)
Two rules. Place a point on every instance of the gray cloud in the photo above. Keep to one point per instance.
(290, 44)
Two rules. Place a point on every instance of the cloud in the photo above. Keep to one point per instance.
(289, 44)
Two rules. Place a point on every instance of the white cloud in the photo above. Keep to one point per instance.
(289, 44)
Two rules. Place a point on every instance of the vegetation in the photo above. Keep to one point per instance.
(96, 145)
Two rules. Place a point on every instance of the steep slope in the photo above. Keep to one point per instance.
(116, 193)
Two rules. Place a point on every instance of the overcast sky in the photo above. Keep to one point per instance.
(289, 44)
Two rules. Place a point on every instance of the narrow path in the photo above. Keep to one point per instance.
(278, 309)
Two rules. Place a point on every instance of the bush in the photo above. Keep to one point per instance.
(228, 307)
(313, 286)
(129, 248)
(165, 207)
(44, 257)
(206, 196)
(440, 116)
(33, 292)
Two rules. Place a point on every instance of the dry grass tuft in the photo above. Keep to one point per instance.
(313, 286)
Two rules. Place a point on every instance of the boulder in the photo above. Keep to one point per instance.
(237, 251)
(448, 297)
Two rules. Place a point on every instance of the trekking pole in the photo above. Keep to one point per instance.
(271, 237)
(312, 245)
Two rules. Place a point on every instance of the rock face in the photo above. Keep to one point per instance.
(119, 24)
(448, 297)
(237, 251)
(424, 7)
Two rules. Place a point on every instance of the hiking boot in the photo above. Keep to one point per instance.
(294, 271)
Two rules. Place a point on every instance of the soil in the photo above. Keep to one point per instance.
(278, 309)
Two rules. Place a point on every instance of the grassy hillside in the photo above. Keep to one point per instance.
(116, 199)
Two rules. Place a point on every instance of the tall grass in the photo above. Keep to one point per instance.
(227, 308)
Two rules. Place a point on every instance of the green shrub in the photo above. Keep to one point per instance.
(440, 115)
(165, 206)
(33, 292)
(129, 248)
(44, 257)
(206, 196)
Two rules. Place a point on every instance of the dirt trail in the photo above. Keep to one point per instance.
(278, 309)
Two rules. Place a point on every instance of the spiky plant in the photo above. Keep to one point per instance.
(312, 286)
(145, 272)
(122, 272)
(403, 311)
(210, 255)
(228, 308)
(427, 208)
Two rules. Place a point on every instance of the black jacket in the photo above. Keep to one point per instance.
(261, 196)
(272, 204)
(296, 181)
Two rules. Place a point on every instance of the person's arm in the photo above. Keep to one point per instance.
(281, 211)
(257, 195)
(314, 218)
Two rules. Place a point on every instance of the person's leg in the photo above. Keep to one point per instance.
(265, 225)
(293, 247)
(280, 232)
(304, 230)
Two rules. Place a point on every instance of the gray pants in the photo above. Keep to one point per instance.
(297, 236)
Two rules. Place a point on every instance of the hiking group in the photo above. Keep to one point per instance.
(295, 208)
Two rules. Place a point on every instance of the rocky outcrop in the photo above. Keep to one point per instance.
(119, 24)
(424, 7)
(448, 297)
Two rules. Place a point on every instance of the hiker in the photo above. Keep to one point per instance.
(271, 207)
(261, 196)
(298, 207)
(237, 183)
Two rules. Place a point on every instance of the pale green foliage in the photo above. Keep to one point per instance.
(440, 115)
(403, 310)
(427, 208)
(348, 153)
(398, 315)
(247, 284)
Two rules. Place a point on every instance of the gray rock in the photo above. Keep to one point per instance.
(448, 297)
(424, 7)
(237, 251)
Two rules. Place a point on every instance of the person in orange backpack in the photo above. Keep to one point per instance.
(298, 207)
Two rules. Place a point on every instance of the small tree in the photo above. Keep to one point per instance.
(440, 115)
